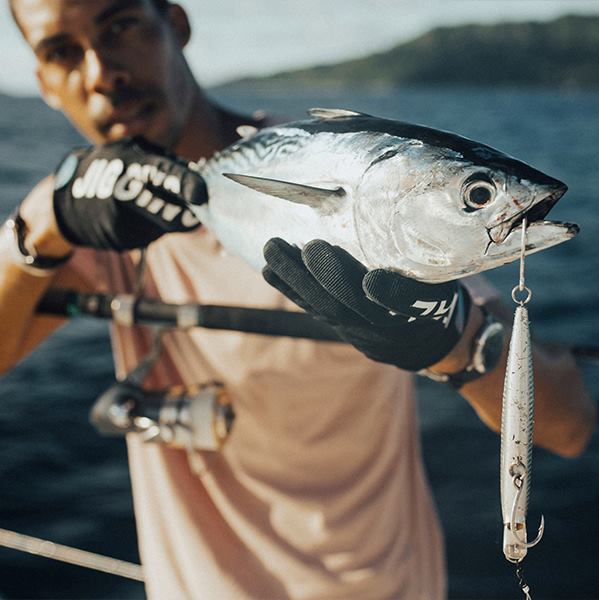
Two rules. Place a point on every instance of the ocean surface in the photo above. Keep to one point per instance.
(59, 480)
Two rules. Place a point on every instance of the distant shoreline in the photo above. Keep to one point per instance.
(274, 85)
(562, 53)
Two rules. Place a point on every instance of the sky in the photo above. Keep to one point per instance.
(237, 38)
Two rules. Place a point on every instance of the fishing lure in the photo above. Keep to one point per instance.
(517, 423)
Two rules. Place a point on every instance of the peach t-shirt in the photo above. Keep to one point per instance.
(319, 493)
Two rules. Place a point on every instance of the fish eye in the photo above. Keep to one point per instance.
(479, 192)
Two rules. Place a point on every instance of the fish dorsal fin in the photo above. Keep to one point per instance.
(321, 199)
(334, 113)
(246, 131)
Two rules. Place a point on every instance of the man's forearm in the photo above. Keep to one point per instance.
(19, 295)
(20, 290)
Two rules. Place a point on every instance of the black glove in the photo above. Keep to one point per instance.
(124, 195)
(389, 317)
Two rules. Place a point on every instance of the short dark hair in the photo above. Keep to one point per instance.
(160, 5)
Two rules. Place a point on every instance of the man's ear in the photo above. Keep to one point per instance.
(51, 99)
(180, 24)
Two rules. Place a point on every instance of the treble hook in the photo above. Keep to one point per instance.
(519, 483)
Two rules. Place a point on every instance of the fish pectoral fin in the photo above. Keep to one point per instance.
(315, 197)
(334, 113)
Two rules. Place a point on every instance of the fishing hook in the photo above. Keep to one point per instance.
(518, 481)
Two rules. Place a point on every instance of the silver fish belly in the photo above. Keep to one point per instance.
(429, 204)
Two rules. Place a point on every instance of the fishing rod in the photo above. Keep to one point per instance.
(72, 556)
(590, 353)
(127, 309)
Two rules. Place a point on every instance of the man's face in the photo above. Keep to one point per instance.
(114, 67)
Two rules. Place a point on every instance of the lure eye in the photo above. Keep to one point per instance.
(478, 193)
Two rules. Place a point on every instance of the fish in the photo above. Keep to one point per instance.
(429, 204)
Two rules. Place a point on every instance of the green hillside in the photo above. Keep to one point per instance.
(563, 52)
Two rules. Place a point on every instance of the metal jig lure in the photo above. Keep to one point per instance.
(517, 424)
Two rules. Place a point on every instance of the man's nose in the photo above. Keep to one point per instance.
(102, 73)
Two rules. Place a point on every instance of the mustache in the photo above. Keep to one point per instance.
(128, 94)
(122, 97)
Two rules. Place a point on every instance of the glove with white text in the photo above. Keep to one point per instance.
(388, 317)
(124, 195)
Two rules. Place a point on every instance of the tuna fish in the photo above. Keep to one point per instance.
(429, 204)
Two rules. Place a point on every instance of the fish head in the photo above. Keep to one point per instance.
(445, 211)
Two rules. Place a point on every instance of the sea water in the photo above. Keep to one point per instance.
(61, 481)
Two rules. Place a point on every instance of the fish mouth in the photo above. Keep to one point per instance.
(505, 239)
(534, 217)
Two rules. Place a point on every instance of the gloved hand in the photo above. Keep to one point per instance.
(389, 317)
(124, 195)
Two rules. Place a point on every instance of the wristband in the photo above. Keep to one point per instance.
(487, 348)
(33, 263)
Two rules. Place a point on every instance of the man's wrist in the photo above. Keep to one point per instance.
(49, 242)
(26, 251)
(485, 350)
(459, 358)
(43, 236)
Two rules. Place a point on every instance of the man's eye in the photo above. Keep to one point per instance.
(120, 26)
(63, 54)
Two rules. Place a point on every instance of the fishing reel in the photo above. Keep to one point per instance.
(193, 417)
(199, 417)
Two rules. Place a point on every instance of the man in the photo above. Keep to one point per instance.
(320, 491)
